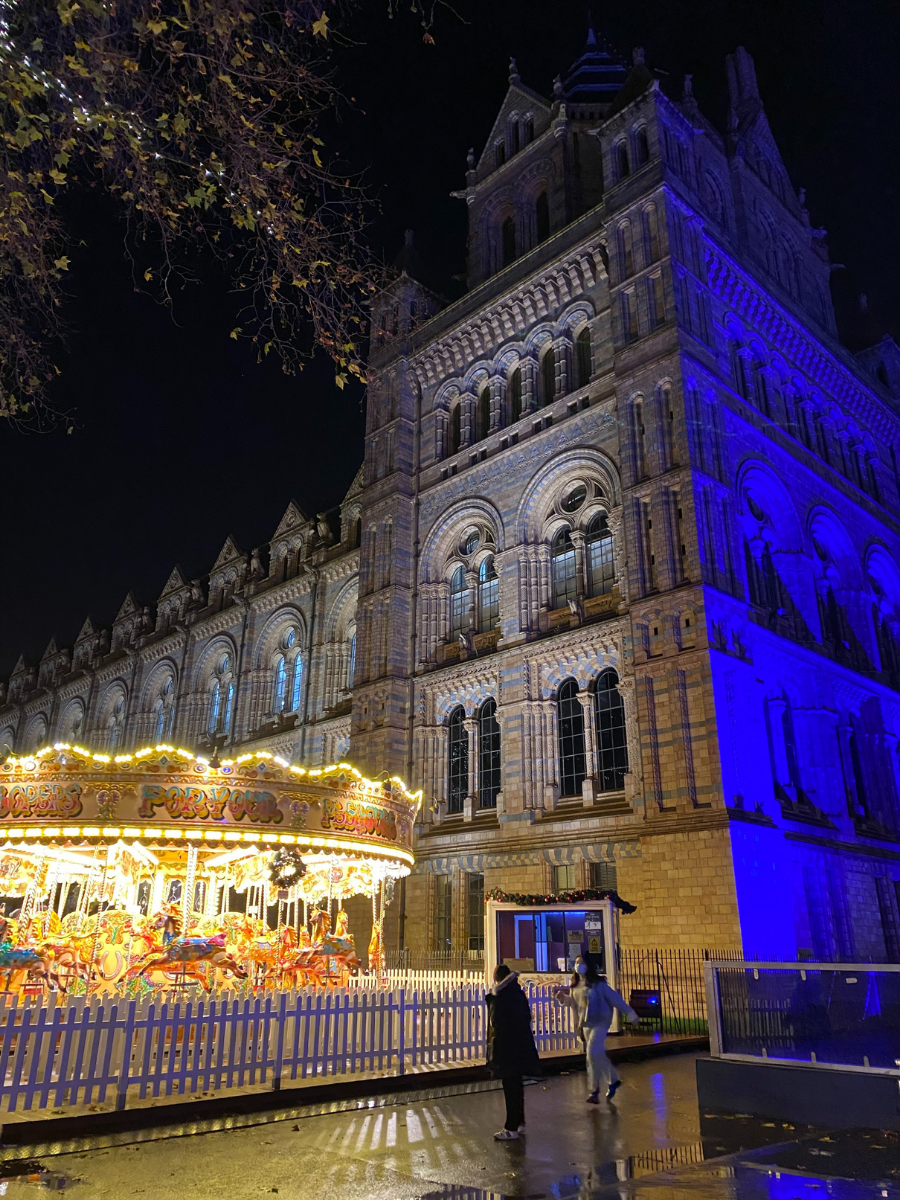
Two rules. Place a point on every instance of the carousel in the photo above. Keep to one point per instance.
(164, 870)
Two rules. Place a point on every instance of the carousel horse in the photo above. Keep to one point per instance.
(185, 954)
(37, 963)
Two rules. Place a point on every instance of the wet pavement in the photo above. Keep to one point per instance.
(653, 1144)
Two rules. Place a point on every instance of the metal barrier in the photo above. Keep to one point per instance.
(835, 1015)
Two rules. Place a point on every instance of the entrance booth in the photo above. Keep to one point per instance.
(542, 941)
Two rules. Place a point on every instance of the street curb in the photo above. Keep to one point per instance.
(220, 1109)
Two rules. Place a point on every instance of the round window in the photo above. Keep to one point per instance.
(756, 511)
(574, 499)
(470, 542)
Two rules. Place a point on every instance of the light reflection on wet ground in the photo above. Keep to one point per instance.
(652, 1145)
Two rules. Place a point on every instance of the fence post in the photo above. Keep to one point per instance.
(279, 1042)
(711, 983)
(401, 1065)
(125, 1068)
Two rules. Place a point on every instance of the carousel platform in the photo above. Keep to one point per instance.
(94, 1126)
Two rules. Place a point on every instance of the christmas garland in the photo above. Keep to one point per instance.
(286, 868)
(576, 897)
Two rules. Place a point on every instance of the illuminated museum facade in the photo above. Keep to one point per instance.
(617, 582)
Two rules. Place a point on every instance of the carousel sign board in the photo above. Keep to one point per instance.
(165, 786)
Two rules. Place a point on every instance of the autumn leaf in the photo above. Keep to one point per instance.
(320, 27)
(61, 264)
(234, 333)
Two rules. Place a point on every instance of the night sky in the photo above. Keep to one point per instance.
(181, 438)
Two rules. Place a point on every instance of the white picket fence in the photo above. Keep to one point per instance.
(425, 980)
(89, 1053)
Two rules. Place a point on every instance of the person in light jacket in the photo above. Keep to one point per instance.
(594, 1002)
(512, 1053)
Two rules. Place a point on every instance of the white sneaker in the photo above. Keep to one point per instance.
(506, 1135)
(522, 1127)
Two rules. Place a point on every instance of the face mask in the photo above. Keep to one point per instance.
(581, 968)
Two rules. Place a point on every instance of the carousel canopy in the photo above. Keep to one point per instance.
(169, 799)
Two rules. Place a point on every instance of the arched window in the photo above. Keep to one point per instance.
(527, 131)
(215, 706)
(600, 560)
(483, 412)
(514, 136)
(296, 684)
(458, 775)
(488, 596)
(548, 376)
(542, 217)
(515, 395)
(570, 729)
(650, 226)
(508, 240)
(626, 250)
(488, 755)
(500, 153)
(159, 729)
(612, 746)
(115, 725)
(562, 569)
(459, 602)
(229, 705)
(351, 662)
(641, 147)
(620, 159)
(453, 429)
(584, 357)
(280, 685)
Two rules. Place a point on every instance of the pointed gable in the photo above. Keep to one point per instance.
(355, 487)
(749, 134)
(229, 552)
(520, 100)
(174, 583)
(129, 608)
(88, 630)
(20, 668)
(52, 649)
(293, 518)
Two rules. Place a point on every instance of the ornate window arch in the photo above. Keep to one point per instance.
(641, 146)
(570, 737)
(163, 707)
(459, 602)
(112, 722)
(612, 743)
(514, 395)
(220, 692)
(584, 358)
(600, 554)
(563, 570)
(489, 780)
(71, 726)
(454, 427)
(457, 760)
(488, 595)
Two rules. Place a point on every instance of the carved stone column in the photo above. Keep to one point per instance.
(580, 574)
(497, 389)
(634, 779)
(467, 419)
(589, 787)
(529, 370)
(470, 804)
(472, 585)
(614, 520)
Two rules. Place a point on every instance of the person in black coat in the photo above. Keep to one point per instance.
(512, 1053)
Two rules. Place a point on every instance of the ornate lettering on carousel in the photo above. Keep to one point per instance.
(212, 803)
(358, 816)
(40, 800)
